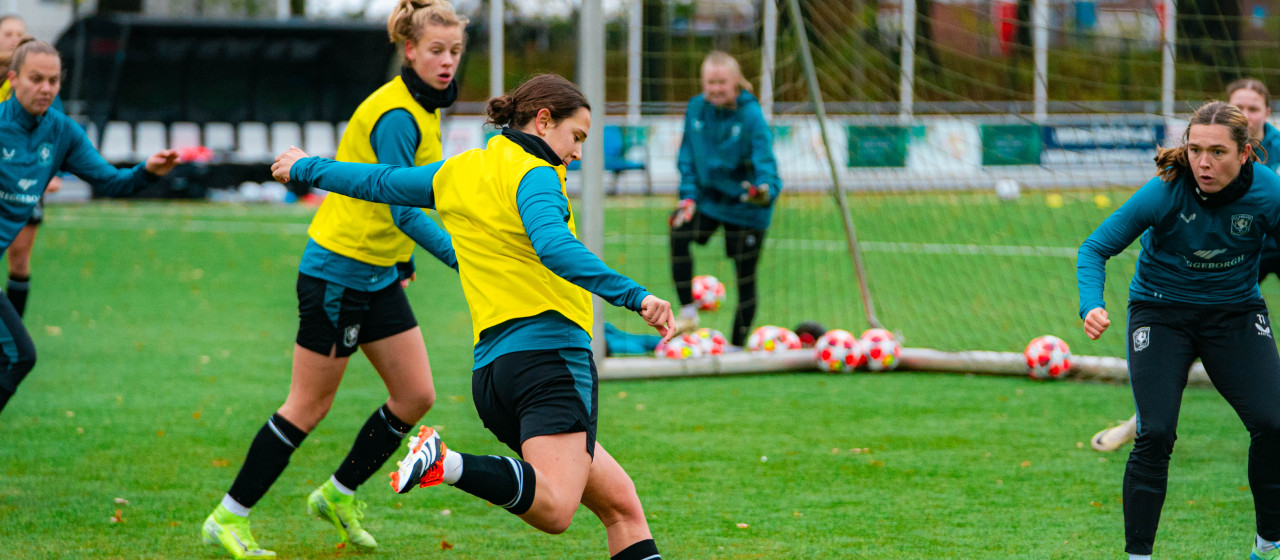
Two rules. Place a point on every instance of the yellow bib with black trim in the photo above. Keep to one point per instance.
(502, 276)
(5, 90)
(365, 231)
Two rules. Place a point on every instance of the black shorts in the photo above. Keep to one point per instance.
(522, 395)
(332, 315)
(740, 242)
(37, 213)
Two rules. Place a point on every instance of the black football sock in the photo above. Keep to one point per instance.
(502, 481)
(643, 550)
(268, 456)
(375, 443)
(17, 291)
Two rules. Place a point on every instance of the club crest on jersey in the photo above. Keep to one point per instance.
(1240, 224)
(7, 155)
(1141, 338)
(45, 152)
(350, 335)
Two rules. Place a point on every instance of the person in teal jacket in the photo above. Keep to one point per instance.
(729, 177)
(35, 144)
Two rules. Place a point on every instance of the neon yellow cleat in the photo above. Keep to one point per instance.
(232, 532)
(1272, 554)
(345, 512)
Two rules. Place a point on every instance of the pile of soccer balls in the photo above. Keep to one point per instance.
(703, 342)
(838, 350)
(835, 350)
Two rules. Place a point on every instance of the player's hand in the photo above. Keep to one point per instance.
(55, 185)
(162, 162)
(683, 213)
(657, 313)
(284, 163)
(757, 195)
(1096, 323)
(404, 282)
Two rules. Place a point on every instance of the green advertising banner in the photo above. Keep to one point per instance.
(880, 146)
(1011, 144)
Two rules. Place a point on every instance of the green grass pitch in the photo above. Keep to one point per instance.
(164, 334)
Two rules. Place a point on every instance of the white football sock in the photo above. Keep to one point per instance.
(1264, 544)
(452, 468)
(340, 487)
(234, 507)
(1139, 557)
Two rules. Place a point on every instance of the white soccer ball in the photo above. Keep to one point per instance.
(837, 350)
(1008, 189)
(712, 341)
(1048, 357)
(708, 292)
(881, 348)
(770, 338)
(680, 348)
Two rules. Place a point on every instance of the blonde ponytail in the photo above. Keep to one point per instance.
(410, 18)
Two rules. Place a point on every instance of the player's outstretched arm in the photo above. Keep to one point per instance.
(544, 212)
(84, 161)
(388, 184)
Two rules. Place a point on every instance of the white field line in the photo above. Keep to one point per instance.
(831, 245)
(172, 223)
(195, 225)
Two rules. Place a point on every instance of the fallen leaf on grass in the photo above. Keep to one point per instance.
(52, 330)
(1026, 464)
(122, 501)
(743, 525)
(221, 462)
(1095, 504)
(118, 517)
(445, 545)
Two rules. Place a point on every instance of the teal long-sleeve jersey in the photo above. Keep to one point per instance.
(1192, 252)
(35, 148)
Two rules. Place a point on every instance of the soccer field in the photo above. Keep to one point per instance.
(165, 332)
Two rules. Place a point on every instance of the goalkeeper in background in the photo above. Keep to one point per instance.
(729, 177)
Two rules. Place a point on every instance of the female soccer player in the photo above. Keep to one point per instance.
(1194, 294)
(351, 294)
(36, 143)
(13, 30)
(728, 176)
(528, 282)
(1253, 99)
